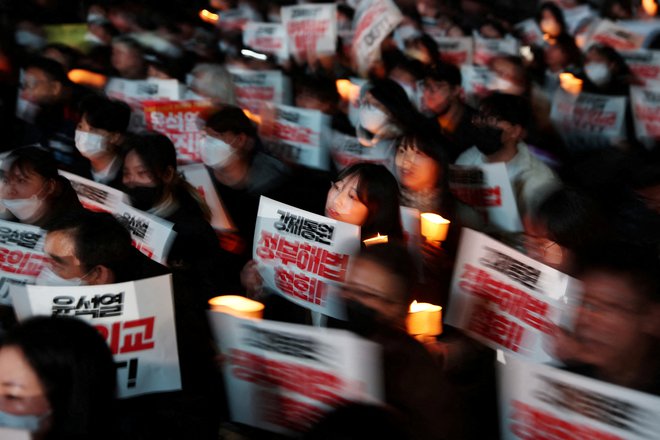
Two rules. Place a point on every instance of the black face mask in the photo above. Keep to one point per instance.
(144, 197)
(488, 139)
(361, 319)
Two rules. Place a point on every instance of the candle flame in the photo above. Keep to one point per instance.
(377, 239)
(650, 7)
(85, 77)
(570, 83)
(237, 302)
(251, 116)
(208, 16)
(421, 307)
(347, 90)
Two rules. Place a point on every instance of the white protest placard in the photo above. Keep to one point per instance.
(588, 120)
(198, 176)
(180, 122)
(476, 81)
(268, 38)
(296, 135)
(644, 64)
(530, 32)
(646, 111)
(542, 402)
(577, 16)
(133, 92)
(284, 377)
(485, 49)
(253, 87)
(15, 434)
(346, 150)
(21, 255)
(136, 319)
(456, 50)
(303, 256)
(487, 189)
(153, 236)
(505, 299)
(95, 196)
(235, 19)
(613, 34)
(311, 29)
(647, 28)
(372, 22)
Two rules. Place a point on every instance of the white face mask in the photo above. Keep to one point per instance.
(49, 278)
(90, 144)
(27, 422)
(598, 73)
(216, 152)
(372, 119)
(93, 39)
(502, 85)
(26, 110)
(24, 209)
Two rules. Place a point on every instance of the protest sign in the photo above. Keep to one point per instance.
(577, 17)
(303, 256)
(487, 189)
(485, 49)
(296, 135)
(15, 434)
(648, 29)
(505, 299)
(613, 34)
(542, 402)
(284, 377)
(153, 236)
(311, 30)
(253, 87)
(644, 64)
(268, 38)
(347, 150)
(180, 122)
(133, 92)
(456, 50)
(530, 33)
(95, 196)
(588, 120)
(646, 111)
(21, 255)
(233, 20)
(476, 81)
(136, 319)
(372, 22)
(198, 176)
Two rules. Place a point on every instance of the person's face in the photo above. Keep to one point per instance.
(61, 252)
(136, 173)
(375, 287)
(540, 246)
(438, 96)
(555, 57)
(416, 170)
(507, 71)
(125, 59)
(343, 203)
(37, 87)
(111, 137)
(23, 184)
(21, 391)
(612, 321)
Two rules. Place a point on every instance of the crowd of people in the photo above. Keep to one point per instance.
(585, 202)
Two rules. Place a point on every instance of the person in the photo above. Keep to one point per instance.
(562, 55)
(377, 295)
(616, 337)
(550, 19)
(606, 71)
(320, 93)
(99, 136)
(57, 380)
(95, 249)
(213, 81)
(151, 180)
(32, 191)
(127, 58)
(442, 98)
(501, 125)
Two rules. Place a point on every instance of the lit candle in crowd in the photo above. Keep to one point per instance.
(347, 90)
(375, 240)
(238, 306)
(87, 78)
(650, 7)
(251, 116)
(424, 320)
(434, 226)
(208, 16)
(570, 83)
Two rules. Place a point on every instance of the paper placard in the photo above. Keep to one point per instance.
(456, 50)
(21, 256)
(198, 176)
(268, 38)
(253, 87)
(311, 29)
(372, 22)
(136, 319)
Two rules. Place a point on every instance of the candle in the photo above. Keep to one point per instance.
(570, 83)
(650, 7)
(375, 240)
(252, 117)
(347, 90)
(87, 78)
(208, 16)
(424, 319)
(434, 227)
(238, 306)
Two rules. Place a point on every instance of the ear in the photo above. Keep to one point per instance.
(56, 88)
(169, 174)
(51, 187)
(100, 275)
(115, 138)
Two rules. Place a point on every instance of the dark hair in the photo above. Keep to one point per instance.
(444, 72)
(395, 257)
(567, 45)
(556, 12)
(610, 54)
(106, 114)
(506, 107)
(76, 368)
(32, 159)
(130, 42)
(392, 96)
(433, 144)
(378, 190)
(233, 119)
(51, 68)
(320, 87)
(70, 54)
(99, 239)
